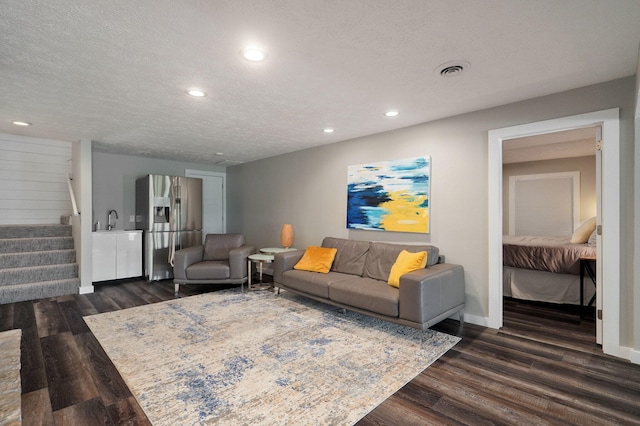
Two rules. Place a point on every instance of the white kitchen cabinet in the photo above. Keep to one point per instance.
(116, 255)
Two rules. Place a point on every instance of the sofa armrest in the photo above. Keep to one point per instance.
(427, 293)
(238, 261)
(283, 262)
(184, 258)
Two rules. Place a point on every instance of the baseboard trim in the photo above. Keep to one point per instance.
(634, 356)
(475, 319)
(86, 289)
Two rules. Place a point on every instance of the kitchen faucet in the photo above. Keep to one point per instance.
(109, 226)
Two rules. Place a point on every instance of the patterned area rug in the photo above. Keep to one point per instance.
(257, 358)
(10, 385)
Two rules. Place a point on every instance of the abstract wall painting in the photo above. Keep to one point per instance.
(390, 195)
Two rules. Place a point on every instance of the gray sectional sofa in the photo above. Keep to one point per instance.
(358, 277)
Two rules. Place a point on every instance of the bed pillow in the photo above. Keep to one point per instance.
(316, 259)
(406, 262)
(581, 235)
(592, 238)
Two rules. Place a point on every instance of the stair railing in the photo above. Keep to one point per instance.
(72, 195)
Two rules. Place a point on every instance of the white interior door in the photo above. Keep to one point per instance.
(213, 201)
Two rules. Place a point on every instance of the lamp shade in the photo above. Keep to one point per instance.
(286, 235)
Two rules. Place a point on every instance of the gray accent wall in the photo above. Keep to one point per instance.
(114, 182)
(308, 188)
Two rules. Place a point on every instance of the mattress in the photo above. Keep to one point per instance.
(550, 254)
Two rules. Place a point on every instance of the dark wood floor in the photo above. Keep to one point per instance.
(543, 367)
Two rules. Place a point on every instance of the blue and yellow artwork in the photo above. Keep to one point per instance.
(390, 195)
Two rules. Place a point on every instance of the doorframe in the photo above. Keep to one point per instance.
(610, 203)
(223, 175)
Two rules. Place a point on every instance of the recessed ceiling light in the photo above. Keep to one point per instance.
(219, 154)
(196, 93)
(254, 54)
(452, 69)
(391, 113)
(21, 123)
(328, 130)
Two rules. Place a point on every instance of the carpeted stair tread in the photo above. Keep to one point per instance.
(33, 274)
(21, 245)
(28, 231)
(38, 290)
(36, 258)
(37, 261)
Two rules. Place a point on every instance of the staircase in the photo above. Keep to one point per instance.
(36, 261)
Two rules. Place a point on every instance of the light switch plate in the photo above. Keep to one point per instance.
(132, 218)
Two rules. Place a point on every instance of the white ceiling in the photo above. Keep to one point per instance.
(116, 72)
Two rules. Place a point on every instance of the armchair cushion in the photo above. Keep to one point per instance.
(209, 270)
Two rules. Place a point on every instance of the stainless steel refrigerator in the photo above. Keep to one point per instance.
(169, 211)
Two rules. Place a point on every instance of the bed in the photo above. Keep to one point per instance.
(545, 269)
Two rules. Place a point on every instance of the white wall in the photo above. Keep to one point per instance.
(308, 188)
(82, 224)
(585, 165)
(33, 180)
(114, 182)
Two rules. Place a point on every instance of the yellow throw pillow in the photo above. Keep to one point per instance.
(317, 259)
(584, 231)
(406, 262)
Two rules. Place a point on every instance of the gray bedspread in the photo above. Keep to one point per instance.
(552, 254)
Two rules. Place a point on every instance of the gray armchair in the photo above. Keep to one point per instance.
(221, 260)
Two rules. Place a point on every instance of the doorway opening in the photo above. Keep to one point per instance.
(609, 219)
(550, 189)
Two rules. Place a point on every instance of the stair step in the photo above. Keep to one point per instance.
(31, 231)
(37, 261)
(34, 274)
(38, 290)
(21, 245)
(37, 258)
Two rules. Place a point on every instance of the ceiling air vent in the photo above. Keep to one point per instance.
(451, 69)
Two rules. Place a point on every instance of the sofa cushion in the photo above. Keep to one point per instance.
(209, 270)
(366, 293)
(382, 256)
(316, 284)
(316, 259)
(406, 262)
(351, 255)
(217, 246)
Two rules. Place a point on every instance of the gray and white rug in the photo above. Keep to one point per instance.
(10, 385)
(257, 358)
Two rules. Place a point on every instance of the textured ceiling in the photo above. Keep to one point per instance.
(116, 72)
